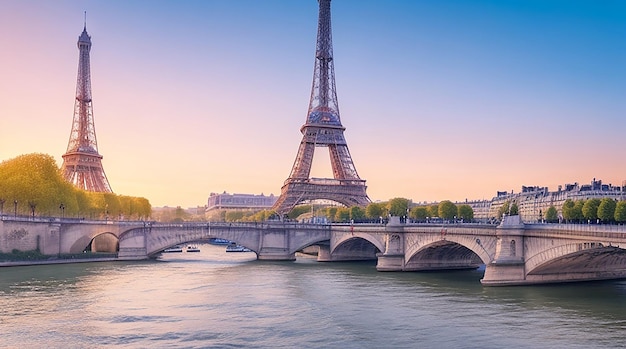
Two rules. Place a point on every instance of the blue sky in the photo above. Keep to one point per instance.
(440, 99)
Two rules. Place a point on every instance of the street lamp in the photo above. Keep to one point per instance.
(62, 208)
(15, 208)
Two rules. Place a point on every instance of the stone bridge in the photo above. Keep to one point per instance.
(513, 253)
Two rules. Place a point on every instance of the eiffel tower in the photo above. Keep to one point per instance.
(323, 129)
(82, 164)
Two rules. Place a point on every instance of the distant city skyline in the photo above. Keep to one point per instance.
(441, 100)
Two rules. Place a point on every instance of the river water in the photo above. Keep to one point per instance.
(214, 299)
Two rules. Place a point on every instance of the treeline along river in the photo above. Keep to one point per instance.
(215, 299)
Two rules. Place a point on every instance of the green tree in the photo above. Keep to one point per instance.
(504, 209)
(374, 210)
(578, 210)
(514, 209)
(620, 212)
(433, 211)
(357, 213)
(342, 215)
(466, 213)
(231, 216)
(418, 213)
(551, 214)
(606, 210)
(590, 209)
(447, 209)
(568, 210)
(112, 205)
(298, 210)
(398, 207)
(331, 213)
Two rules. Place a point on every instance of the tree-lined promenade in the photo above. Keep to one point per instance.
(376, 211)
(32, 185)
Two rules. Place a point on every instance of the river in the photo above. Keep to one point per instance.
(214, 299)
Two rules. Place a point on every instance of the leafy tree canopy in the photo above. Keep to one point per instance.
(33, 183)
(447, 209)
(398, 206)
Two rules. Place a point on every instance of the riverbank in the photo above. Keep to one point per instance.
(58, 260)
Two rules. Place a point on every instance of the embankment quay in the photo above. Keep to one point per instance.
(514, 253)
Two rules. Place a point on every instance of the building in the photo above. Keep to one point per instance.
(534, 201)
(227, 201)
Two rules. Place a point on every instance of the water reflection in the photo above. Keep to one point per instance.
(219, 299)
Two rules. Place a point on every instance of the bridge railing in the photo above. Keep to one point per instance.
(567, 228)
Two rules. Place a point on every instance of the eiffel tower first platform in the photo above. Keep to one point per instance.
(82, 164)
(323, 128)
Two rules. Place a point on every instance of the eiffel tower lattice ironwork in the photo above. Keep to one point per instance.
(323, 128)
(82, 164)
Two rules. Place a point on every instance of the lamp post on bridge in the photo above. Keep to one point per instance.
(15, 208)
(62, 208)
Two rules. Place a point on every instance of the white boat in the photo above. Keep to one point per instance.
(172, 249)
(193, 248)
(218, 241)
(233, 247)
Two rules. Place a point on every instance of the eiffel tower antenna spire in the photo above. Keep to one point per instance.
(82, 164)
(323, 128)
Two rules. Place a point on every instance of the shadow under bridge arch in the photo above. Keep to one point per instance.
(106, 242)
(352, 246)
(442, 255)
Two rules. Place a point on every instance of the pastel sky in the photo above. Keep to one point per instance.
(449, 99)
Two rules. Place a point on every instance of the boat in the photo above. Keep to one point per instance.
(233, 247)
(193, 248)
(218, 241)
(173, 249)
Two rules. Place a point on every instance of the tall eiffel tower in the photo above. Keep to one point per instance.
(323, 129)
(82, 164)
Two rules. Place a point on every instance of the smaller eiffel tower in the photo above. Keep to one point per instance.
(82, 164)
(323, 128)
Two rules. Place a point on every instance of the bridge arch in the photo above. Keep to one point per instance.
(96, 242)
(356, 245)
(577, 258)
(445, 252)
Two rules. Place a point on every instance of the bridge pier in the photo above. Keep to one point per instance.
(393, 258)
(275, 254)
(508, 266)
(274, 244)
(134, 247)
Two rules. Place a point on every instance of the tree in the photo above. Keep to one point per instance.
(590, 209)
(504, 209)
(342, 215)
(514, 209)
(606, 210)
(433, 211)
(551, 214)
(447, 210)
(466, 213)
(357, 213)
(568, 210)
(620, 212)
(418, 213)
(374, 211)
(398, 207)
(331, 213)
(35, 181)
(578, 210)
(298, 210)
